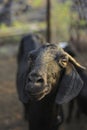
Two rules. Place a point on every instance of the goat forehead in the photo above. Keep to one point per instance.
(47, 53)
(45, 58)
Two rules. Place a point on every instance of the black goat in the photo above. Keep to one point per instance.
(48, 78)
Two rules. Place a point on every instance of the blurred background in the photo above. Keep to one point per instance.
(57, 21)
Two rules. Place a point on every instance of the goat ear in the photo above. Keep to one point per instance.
(63, 61)
(70, 85)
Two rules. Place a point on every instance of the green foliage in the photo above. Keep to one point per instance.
(61, 19)
(17, 24)
(3, 27)
(83, 22)
(36, 3)
(19, 28)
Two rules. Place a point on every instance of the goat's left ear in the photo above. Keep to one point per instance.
(71, 82)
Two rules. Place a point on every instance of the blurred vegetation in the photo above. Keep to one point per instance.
(19, 28)
(61, 20)
(37, 3)
(14, 33)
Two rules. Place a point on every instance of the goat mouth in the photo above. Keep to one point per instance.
(39, 95)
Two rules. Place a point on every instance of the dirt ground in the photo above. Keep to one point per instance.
(10, 108)
(11, 111)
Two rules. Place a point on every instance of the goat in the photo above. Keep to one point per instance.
(50, 79)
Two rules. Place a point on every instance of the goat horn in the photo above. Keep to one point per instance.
(75, 62)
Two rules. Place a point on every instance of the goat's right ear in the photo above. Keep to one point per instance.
(70, 85)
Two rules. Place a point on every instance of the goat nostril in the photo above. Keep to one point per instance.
(34, 78)
(40, 80)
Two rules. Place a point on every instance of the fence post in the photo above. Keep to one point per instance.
(48, 21)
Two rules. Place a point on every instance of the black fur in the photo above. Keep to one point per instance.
(41, 84)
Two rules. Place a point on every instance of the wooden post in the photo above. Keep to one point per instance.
(48, 21)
